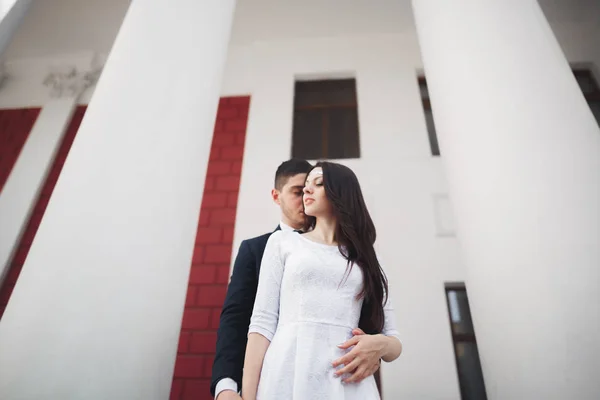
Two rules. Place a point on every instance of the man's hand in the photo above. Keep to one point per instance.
(364, 359)
(228, 395)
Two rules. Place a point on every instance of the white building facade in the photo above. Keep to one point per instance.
(139, 144)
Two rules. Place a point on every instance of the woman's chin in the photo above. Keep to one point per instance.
(310, 212)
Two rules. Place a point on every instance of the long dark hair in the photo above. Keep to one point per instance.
(355, 234)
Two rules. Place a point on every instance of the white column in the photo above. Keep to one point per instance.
(27, 177)
(97, 309)
(12, 13)
(522, 156)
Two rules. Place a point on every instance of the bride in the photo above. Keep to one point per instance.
(314, 289)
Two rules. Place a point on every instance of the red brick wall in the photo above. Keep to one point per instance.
(40, 207)
(15, 126)
(209, 274)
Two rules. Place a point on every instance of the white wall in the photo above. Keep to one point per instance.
(271, 44)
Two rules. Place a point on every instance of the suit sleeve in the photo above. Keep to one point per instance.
(235, 318)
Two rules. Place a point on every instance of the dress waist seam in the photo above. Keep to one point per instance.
(301, 322)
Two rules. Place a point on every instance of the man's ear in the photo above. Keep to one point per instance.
(275, 196)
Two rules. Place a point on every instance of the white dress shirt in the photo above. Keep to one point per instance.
(285, 227)
(228, 383)
(225, 384)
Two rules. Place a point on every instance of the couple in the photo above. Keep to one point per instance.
(307, 314)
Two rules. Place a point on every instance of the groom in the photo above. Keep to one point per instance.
(235, 317)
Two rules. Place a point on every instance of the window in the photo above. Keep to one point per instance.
(590, 90)
(325, 120)
(433, 142)
(470, 376)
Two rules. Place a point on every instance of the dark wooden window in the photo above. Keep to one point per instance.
(433, 141)
(325, 120)
(470, 376)
(591, 90)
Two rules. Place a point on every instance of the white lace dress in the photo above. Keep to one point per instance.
(306, 307)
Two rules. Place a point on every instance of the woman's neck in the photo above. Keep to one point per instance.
(324, 230)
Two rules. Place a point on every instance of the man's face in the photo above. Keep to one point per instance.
(289, 199)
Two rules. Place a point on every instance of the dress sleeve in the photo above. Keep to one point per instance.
(389, 325)
(266, 306)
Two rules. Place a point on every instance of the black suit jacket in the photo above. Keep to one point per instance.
(237, 310)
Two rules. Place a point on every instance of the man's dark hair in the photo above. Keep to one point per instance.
(289, 168)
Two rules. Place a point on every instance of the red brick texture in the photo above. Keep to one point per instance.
(15, 126)
(209, 274)
(18, 260)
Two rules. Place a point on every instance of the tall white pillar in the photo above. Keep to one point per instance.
(97, 309)
(521, 151)
(27, 177)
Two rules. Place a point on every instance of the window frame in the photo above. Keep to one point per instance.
(434, 143)
(460, 337)
(325, 116)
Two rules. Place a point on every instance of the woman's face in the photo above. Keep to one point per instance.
(315, 201)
